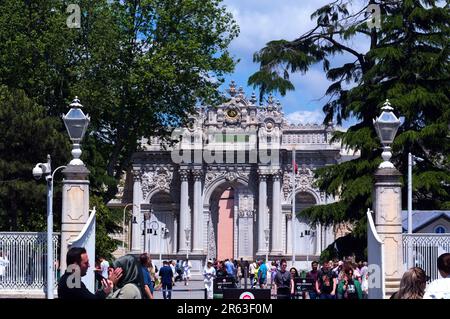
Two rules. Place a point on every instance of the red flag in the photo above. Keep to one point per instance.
(295, 166)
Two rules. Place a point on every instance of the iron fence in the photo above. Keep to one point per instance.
(425, 249)
(23, 265)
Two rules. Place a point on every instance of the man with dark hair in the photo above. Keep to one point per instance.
(312, 275)
(283, 281)
(166, 275)
(440, 288)
(70, 285)
(326, 282)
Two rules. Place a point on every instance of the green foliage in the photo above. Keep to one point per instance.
(138, 67)
(27, 137)
(346, 246)
(407, 62)
(107, 221)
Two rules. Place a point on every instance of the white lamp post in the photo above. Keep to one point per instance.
(386, 126)
(76, 124)
(45, 169)
(187, 231)
(267, 234)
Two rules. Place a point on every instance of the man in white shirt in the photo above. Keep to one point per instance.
(440, 288)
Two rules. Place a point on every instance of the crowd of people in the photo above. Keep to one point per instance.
(137, 278)
(334, 279)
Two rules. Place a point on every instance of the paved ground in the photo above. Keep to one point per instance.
(193, 292)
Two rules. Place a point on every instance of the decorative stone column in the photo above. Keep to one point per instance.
(388, 222)
(318, 239)
(197, 232)
(262, 213)
(185, 217)
(288, 233)
(276, 215)
(136, 232)
(75, 207)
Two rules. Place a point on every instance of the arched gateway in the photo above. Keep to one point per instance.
(226, 189)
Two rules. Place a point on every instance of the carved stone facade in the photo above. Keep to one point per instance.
(240, 146)
(158, 179)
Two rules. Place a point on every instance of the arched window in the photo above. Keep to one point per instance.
(440, 229)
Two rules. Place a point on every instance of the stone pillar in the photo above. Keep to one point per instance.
(136, 231)
(185, 217)
(276, 216)
(289, 233)
(262, 213)
(175, 233)
(197, 231)
(318, 239)
(75, 207)
(388, 222)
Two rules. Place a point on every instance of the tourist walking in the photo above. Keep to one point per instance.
(312, 276)
(252, 269)
(349, 287)
(294, 274)
(326, 282)
(209, 273)
(283, 281)
(186, 271)
(166, 275)
(262, 274)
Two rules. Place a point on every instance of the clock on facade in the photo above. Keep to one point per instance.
(232, 116)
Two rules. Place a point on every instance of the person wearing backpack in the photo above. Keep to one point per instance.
(349, 287)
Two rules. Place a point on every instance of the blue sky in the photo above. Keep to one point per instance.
(261, 21)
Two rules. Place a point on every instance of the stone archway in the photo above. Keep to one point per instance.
(228, 210)
(161, 229)
(306, 242)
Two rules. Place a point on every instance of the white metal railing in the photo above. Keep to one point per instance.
(425, 249)
(24, 259)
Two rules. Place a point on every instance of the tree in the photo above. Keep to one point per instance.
(139, 67)
(144, 66)
(27, 137)
(407, 62)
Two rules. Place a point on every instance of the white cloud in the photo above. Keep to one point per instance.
(265, 20)
(305, 117)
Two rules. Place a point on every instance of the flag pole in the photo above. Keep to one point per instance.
(293, 218)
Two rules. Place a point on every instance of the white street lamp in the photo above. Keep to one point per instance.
(386, 126)
(45, 169)
(267, 234)
(76, 124)
(187, 231)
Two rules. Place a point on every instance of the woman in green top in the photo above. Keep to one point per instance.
(349, 287)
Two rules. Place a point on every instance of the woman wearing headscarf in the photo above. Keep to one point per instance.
(131, 285)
